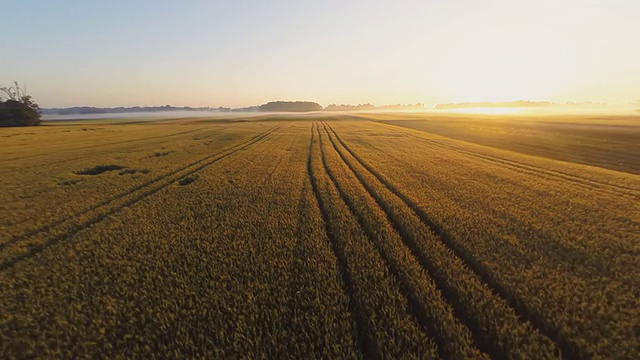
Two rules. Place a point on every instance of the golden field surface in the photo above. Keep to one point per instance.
(322, 236)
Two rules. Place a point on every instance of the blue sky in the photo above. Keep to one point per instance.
(239, 53)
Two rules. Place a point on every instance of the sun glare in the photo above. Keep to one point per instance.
(488, 111)
(488, 63)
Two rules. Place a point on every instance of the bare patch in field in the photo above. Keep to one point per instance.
(69, 182)
(133, 171)
(162, 153)
(188, 180)
(99, 169)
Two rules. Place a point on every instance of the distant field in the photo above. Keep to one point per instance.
(334, 236)
(611, 142)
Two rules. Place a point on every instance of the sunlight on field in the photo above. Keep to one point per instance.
(489, 111)
(357, 235)
(320, 180)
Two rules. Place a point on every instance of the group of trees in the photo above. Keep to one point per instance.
(349, 107)
(293, 106)
(367, 106)
(17, 108)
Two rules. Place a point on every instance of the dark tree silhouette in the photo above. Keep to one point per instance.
(290, 106)
(17, 108)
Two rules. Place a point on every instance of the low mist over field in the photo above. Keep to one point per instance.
(320, 180)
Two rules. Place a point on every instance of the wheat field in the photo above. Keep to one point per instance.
(322, 236)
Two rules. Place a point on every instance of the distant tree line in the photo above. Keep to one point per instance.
(506, 104)
(97, 110)
(273, 106)
(17, 108)
(244, 109)
(416, 106)
(290, 106)
(349, 107)
(307, 106)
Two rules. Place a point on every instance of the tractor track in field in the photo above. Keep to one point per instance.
(69, 226)
(368, 347)
(527, 168)
(138, 144)
(417, 311)
(553, 248)
(269, 177)
(568, 348)
(122, 194)
(103, 145)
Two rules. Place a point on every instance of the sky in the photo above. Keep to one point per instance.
(240, 53)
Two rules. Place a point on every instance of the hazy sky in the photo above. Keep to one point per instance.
(239, 53)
